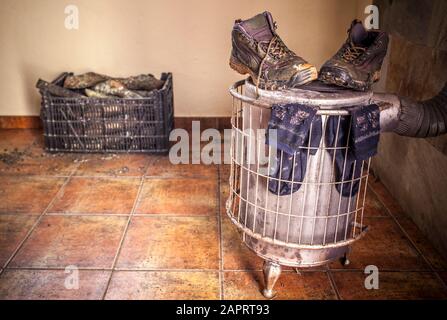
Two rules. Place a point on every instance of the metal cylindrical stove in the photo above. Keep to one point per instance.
(308, 227)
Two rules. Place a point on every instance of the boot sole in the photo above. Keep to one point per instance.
(342, 79)
(306, 74)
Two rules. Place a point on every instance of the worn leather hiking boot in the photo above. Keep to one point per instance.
(145, 82)
(260, 52)
(83, 81)
(115, 88)
(357, 63)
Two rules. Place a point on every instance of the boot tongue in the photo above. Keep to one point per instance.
(358, 33)
(260, 27)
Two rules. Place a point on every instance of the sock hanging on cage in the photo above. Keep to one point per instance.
(365, 131)
(293, 123)
(362, 144)
(346, 166)
(293, 167)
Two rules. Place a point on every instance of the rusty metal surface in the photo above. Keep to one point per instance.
(271, 271)
(294, 257)
(389, 103)
(325, 100)
(390, 106)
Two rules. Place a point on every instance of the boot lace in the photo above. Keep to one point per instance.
(275, 49)
(352, 52)
(278, 49)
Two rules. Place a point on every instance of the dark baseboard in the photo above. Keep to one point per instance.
(20, 122)
(219, 123)
(33, 122)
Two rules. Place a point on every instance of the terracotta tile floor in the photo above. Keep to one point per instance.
(138, 227)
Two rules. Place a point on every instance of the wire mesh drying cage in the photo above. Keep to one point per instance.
(322, 215)
(111, 125)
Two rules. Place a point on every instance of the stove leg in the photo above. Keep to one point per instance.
(272, 271)
(345, 260)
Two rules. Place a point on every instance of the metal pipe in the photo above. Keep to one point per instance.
(410, 118)
(389, 105)
(422, 119)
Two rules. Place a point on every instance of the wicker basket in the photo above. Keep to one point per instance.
(108, 125)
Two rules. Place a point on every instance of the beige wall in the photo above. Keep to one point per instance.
(189, 38)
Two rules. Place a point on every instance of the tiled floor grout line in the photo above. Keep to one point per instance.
(87, 214)
(219, 227)
(123, 269)
(126, 228)
(438, 276)
(22, 214)
(383, 270)
(178, 215)
(101, 214)
(419, 251)
(197, 177)
(108, 177)
(378, 217)
(333, 284)
(185, 270)
(59, 268)
(33, 227)
(145, 215)
(30, 175)
(404, 231)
